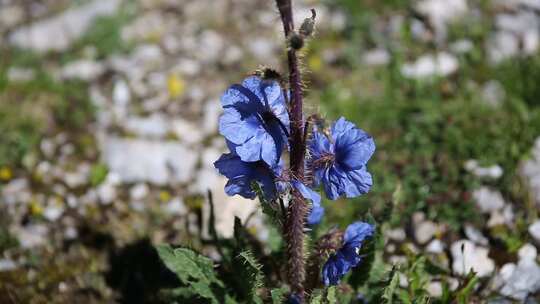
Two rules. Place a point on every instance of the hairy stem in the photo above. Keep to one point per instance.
(297, 210)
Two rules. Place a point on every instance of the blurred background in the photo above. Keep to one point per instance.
(108, 133)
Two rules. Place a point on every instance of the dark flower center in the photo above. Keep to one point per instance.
(325, 161)
(267, 116)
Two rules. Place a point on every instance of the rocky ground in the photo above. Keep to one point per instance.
(137, 170)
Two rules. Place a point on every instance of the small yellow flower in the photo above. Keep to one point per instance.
(175, 85)
(315, 63)
(5, 174)
(36, 209)
(164, 196)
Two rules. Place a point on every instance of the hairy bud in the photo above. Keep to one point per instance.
(308, 26)
(296, 41)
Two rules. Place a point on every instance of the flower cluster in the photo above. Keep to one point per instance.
(255, 124)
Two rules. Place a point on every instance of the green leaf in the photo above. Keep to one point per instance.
(192, 269)
(253, 275)
(331, 295)
(390, 289)
(278, 295)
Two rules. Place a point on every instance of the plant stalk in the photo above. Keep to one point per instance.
(297, 210)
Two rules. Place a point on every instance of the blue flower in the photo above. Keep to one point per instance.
(339, 162)
(317, 211)
(348, 255)
(242, 174)
(255, 118)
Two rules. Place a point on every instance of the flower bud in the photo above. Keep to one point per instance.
(308, 26)
(296, 41)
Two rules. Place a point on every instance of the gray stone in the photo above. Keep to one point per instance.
(154, 126)
(139, 191)
(472, 257)
(83, 69)
(502, 45)
(534, 231)
(424, 231)
(493, 172)
(521, 280)
(157, 162)
(397, 234)
(475, 235)
(493, 93)
(376, 57)
(488, 200)
(441, 64)
(530, 170)
(18, 74)
(7, 265)
(59, 32)
(32, 236)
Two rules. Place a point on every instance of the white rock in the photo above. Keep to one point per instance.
(441, 64)
(18, 74)
(59, 32)
(527, 252)
(139, 191)
(262, 48)
(212, 111)
(472, 257)
(397, 234)
(435, 289)
(15, 191)
(188, 67)
(376, 57)
(425, 231)
(488, 200)
(211, 45)
(187, 131)
(493, 93)
(83, 69)
(147, 55)
(10, 15)
(53, 212)
(32, 236)
(443, 10)
(157, 162)
(106, 193)
(523, 280)
(475, 235)
(493, 172)
(435, 246)
(534, 231)
(462, 46)
(121, 93)
(530, 170)
(154, 126)
(71, 233)
(502, 45)
(176, 206)
(7, 265)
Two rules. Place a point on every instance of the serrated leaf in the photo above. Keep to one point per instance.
(390, 289)
(192, 269)
(253, 274)
(331, 295)
(278, 295)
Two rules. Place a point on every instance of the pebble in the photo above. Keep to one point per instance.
(7, 265)
(530, 170)
(435, 246)
(472, 257)
(176, 207)
(534, 231)
(154, 126)
(493, 172)
(57, 33)
(187, 131)
(441, 64)
(475, 235)
(397, 234)
(488, 200)
(53, 212)
(157, 162)
(83, 69)
(435, 289)
(527, 252)
(376, 57)
(139, 191)
(502, 45)
(520, 280)
(493, 93)
(425, 231)
(19, 74)
(32, 236)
